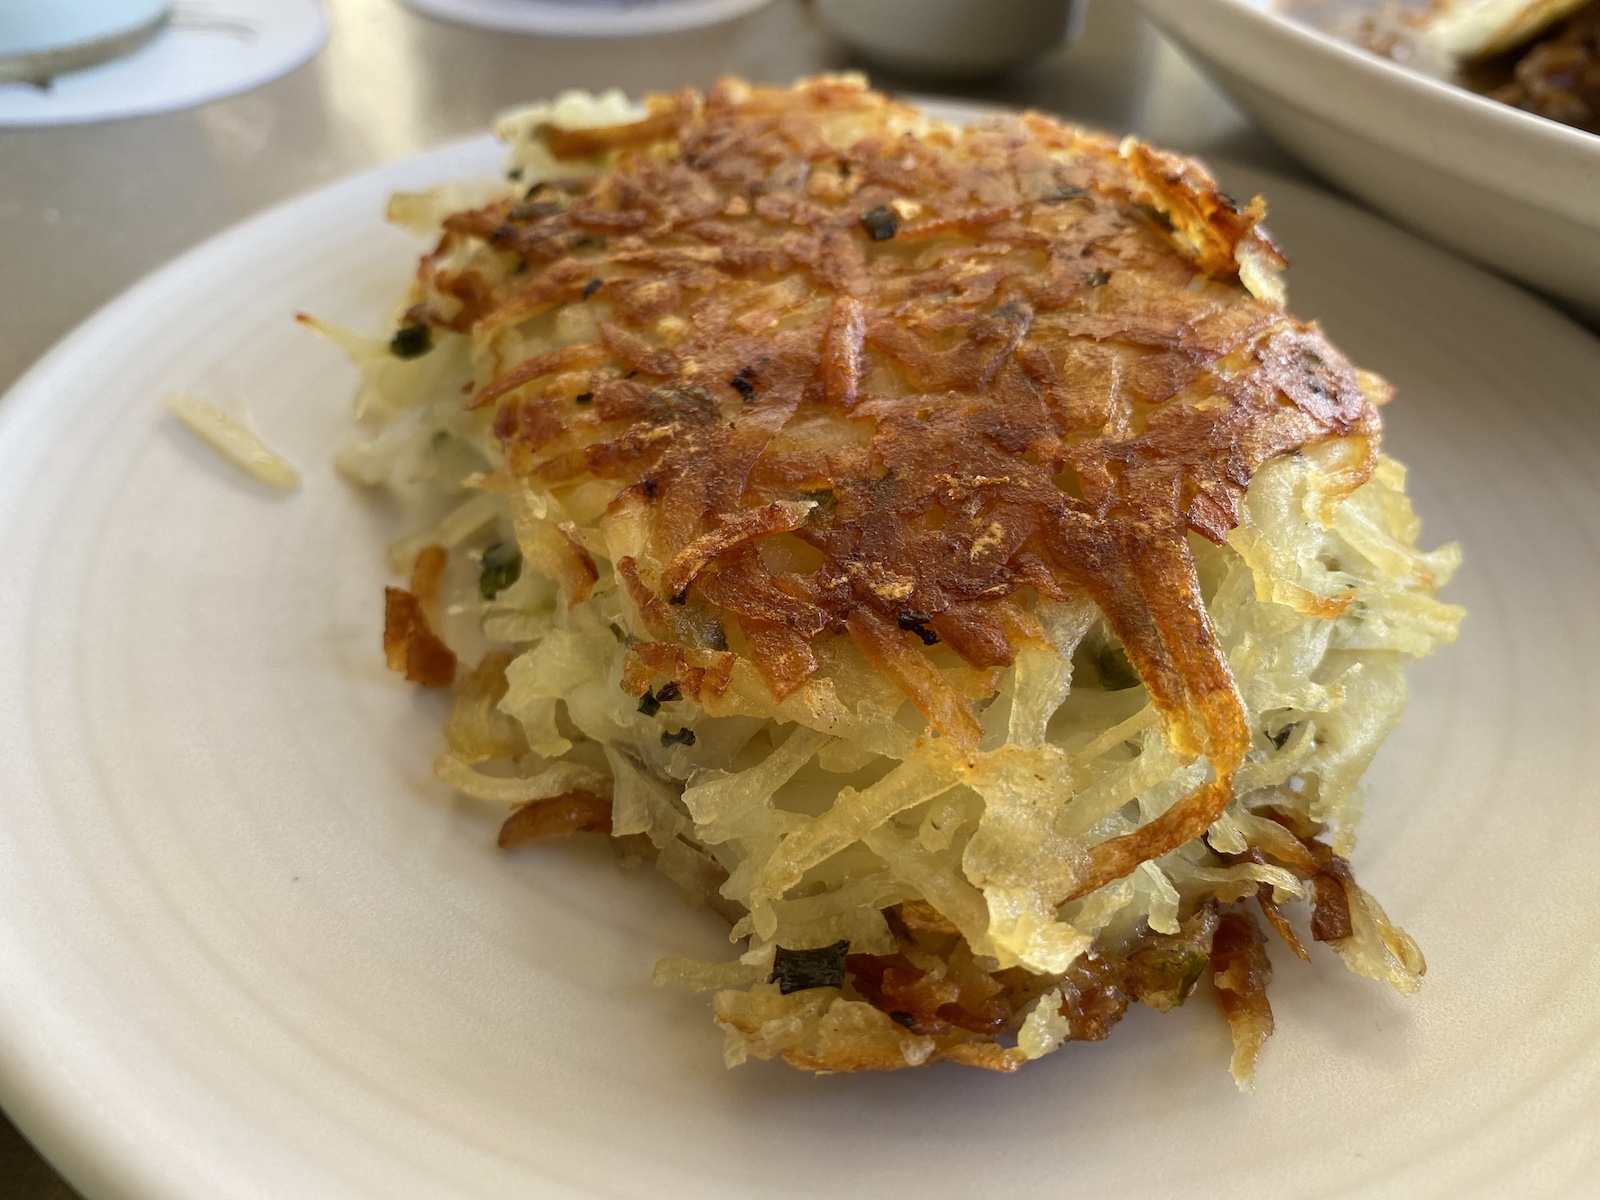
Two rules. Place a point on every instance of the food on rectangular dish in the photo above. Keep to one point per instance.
(1542, 56)
(1552, 69)
(934, 546)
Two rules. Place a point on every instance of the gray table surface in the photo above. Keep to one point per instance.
(87, 210)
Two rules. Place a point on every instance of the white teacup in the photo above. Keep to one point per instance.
(953, 38)
(43, 38)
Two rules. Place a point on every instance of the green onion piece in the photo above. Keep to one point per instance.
(1065, 192)
(881, 223)
(684, 737)
(915, 622)
(533, 210)
(797, 970)
(648, 704)
(1163, 977)
(1116, 672)
(502, 566)
(411, 341)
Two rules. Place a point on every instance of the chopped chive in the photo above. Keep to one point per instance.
(591, 287)
(797, 970)
(411, 341)
(744, 382)
(881, 223)
(1164, 976)
(502, 566)
(532, 210)
(669, 692)
(1065, 192)
(1116, 672)
(826, 502)
(915, 622)
(1156, 215)
(684, 737)
(648, 704)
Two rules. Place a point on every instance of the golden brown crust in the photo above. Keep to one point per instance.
(1241, 971)
(410, 645)
(1330, 909)
(1273, 913)
(958, 366)
(559, 816)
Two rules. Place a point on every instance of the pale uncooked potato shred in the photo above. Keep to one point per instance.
(234, 440)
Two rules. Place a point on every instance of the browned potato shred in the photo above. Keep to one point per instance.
(1241, 972)
(409, 644)
(560, 816)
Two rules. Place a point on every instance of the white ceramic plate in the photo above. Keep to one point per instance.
(1512, 190)
(249, 948)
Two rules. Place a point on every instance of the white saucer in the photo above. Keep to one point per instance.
(208, 50)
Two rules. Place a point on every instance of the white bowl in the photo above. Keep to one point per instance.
(1512, 190)
(953, 39)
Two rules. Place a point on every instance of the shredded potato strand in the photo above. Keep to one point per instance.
(234, 440)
